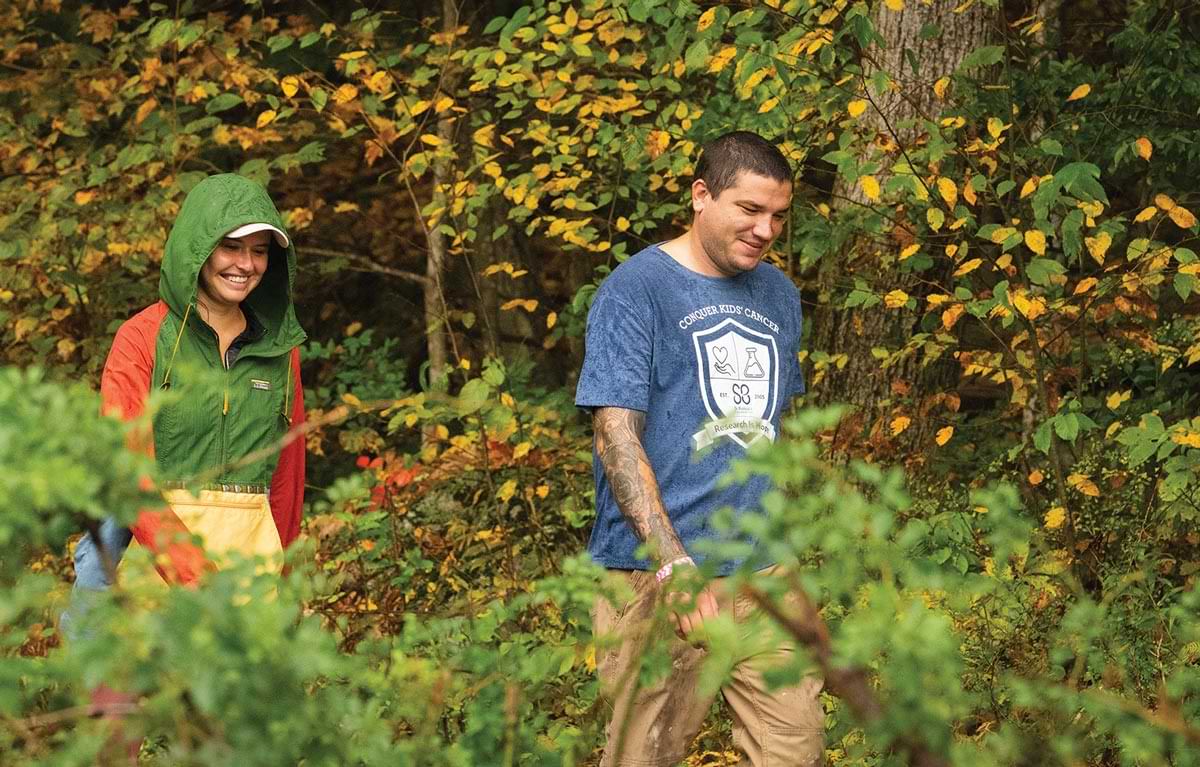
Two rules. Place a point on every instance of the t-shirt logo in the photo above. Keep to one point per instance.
(739, 381)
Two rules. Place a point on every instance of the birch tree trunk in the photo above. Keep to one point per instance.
(913, 64)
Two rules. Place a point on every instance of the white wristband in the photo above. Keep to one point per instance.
(664, 572)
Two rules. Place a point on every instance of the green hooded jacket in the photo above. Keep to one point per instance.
(223, 414)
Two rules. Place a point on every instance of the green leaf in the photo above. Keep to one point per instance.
(1184, 285)
(222, 102)
(279, 43)
(1042, 437)
(1041, 271)
(162, 32)
(319, 98)
(982, 57)
(473, 396)
(1066, 426)
(1051, 147)
(697, 55)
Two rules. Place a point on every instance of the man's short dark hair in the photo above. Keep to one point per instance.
(723, 158)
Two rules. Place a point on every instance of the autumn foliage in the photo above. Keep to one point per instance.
(994, 232)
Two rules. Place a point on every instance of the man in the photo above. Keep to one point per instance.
(691, 356)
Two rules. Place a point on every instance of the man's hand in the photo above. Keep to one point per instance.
(688, 614)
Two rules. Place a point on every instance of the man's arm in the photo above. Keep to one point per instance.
(635, 489)
(634, 486)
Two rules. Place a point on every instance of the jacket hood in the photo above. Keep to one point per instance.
(216, 206)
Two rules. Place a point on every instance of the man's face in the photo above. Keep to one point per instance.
(736, 228)
(235, 268)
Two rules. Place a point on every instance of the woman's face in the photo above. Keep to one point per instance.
(234, 269)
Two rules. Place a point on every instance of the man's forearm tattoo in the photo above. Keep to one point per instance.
(634, 486)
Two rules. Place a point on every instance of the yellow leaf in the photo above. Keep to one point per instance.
(951, 315)
(464, 363)
(1035, 477)
(351, 400)
(995, 126)
(144, 111)
(952, 250)
(551, 320)
(1002, 234)
(895, 299)
(1086, 284)
(84, 196)
(969, 192)
(944, 435)
(909, 251)
(352, 55)
(1029, 187)
(768, 105)
(265, 119)
(345, 94)
(899, 424)
(1144, 148)
(1098, 246)
(947, 189)
(622, 224)
(894, 5)
(968, 267)
(706, 19)
(289, 85)
(507, 490)
(1114, 400)
(1182, 217)
(856, 107)
(939, 87)
(485, 136)
(1055, 518)
(1036, 241)
(870, 187)
(431, 139)
(528, 304)
(1164, 202)
(1028, 307)
(444, 103)
(522, 450)
(1147, 213)
(1083, 484)
(935, 217)
(1004, 261)
(1186, 438)
(937, 299)
(571, 17)
(1079, 92)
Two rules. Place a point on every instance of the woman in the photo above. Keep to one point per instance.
(225, 310)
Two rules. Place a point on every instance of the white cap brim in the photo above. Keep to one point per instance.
(248, 229)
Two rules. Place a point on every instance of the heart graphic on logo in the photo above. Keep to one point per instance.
(721, 354)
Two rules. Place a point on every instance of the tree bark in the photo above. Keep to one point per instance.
(856, 332)
(436, 320)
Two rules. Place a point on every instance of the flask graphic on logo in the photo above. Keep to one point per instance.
(754, 368)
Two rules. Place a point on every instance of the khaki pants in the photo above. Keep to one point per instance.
(655, 726)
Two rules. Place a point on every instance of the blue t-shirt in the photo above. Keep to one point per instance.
(712, 362)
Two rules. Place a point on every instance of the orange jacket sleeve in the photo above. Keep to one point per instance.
(124, 387)
(287, 483)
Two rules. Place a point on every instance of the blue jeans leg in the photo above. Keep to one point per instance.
(90, 574)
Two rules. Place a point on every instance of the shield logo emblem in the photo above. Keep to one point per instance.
(739, 381)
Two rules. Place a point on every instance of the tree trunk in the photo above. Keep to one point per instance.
(436, 319)
(879, 394)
